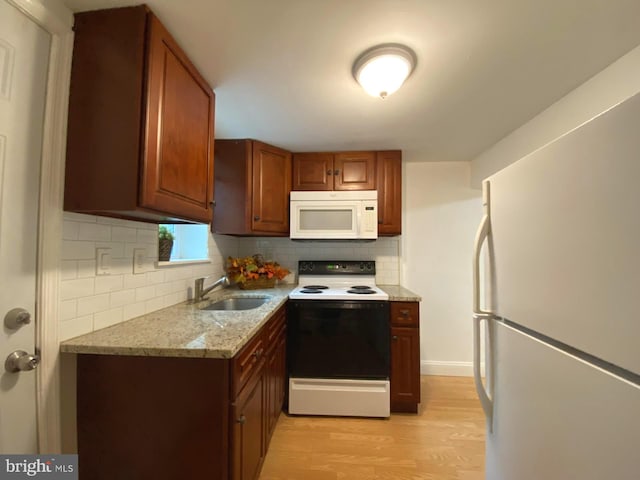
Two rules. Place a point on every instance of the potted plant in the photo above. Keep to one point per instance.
(254, 272)
(165, 244)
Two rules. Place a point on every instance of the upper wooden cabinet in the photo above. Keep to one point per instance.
(334, 171)
(140, 134)
(389, 186)
(252, 184)
(381, 171)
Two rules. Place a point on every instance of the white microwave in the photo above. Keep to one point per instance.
(334, 215)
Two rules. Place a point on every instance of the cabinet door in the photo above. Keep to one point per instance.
(276, 369)
(354, 171)
(247, 442)
(389, 186)
(271, 187)
(177, 174)
(405, 369)
(313, 171)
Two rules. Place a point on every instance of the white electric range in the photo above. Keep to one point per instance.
(341, 280)
(338, 341)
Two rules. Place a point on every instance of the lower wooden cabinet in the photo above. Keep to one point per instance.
(258, 404)
(247, 438)
(276, 382)
(162, 418)
(405, 356)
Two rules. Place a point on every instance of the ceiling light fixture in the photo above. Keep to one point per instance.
(381, 70)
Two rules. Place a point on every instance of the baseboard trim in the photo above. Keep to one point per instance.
(450, 369)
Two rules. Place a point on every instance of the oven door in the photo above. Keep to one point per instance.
(339, 339)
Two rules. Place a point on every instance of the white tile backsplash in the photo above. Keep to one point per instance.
(94, 231)
(385, 251)
(89, 302)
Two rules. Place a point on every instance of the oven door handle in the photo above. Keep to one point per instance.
(338, 304)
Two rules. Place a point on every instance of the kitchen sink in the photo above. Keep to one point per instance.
(237, 303)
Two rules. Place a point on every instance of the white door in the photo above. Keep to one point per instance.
(24, 57)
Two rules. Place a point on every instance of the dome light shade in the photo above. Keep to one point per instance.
(382, 70)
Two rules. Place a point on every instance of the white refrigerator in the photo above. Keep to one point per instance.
(557, 302)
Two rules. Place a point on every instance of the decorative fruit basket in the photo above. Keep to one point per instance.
(252, 273)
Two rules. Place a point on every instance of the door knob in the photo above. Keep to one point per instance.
(21, 361)
(16, 318)
(242, 420)
(256, 218)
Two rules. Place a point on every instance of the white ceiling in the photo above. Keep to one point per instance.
(281, 69)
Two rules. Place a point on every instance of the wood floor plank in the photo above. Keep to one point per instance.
(444, 441)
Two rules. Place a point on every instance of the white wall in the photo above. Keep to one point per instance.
(617, 82)
(385, 251)
(441, 215)
(89, 302)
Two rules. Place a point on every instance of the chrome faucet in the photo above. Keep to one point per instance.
(201, 292)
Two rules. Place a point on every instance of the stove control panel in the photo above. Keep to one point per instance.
(336, 267)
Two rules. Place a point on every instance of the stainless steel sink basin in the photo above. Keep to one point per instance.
(237, 303)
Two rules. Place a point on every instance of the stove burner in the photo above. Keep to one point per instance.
(361, 292)
(361, 287)
(315, 287)
(311, 290)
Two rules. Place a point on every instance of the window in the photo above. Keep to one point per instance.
(190, 243)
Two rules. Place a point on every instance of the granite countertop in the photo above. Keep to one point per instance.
(184, 330)
(397, 293)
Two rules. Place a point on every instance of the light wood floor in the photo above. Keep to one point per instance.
(445, 441)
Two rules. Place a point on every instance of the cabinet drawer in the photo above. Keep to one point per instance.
(274, 327)
(405, 314)
(246, 362)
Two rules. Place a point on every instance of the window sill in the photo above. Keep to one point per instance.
(177, 263)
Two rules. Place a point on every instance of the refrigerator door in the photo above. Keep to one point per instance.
(565, 229)
(558, 418)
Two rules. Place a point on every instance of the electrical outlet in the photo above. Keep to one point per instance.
(103, 261)
(139, 260)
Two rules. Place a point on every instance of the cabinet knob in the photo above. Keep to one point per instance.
(379, 222)
(258, 353)
(404, 313)
(212, 203)
(242, 420)
(329, 172)
(395, 337)
(256, 218)
(336, 172)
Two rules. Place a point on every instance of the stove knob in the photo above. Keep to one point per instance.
(363, 266)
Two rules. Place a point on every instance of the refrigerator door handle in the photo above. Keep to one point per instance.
(478, 313)
(485, 400)
(481, 236)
